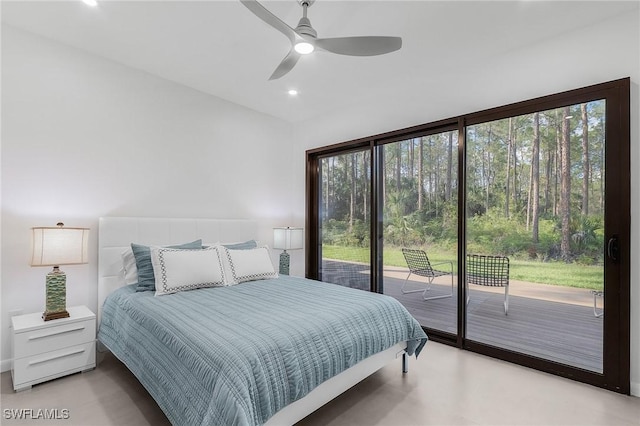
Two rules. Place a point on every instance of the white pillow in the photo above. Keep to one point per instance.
(242, 245)
(129, 268)
(186, 269)
(249, 265)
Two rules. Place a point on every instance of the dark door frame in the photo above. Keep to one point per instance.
(616, 356)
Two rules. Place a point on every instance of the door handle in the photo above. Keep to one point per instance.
(613, 249)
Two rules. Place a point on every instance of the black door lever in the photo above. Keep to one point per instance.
(613, 248)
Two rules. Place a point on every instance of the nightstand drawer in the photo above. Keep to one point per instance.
(51, 338)
(54, 364)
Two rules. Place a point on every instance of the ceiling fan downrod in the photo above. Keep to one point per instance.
(304, 25)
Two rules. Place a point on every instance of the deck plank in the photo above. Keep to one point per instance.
(567, 333)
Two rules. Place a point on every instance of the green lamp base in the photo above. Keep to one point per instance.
(48, 316)
(284, 263)
(56, 306)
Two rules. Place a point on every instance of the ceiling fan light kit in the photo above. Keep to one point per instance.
(304, 48)
(304, 39)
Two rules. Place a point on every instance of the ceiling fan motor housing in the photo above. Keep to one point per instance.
(304, 27)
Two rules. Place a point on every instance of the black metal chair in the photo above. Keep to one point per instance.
(418, 263)
(492, 271)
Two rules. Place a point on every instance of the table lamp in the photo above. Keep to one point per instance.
(286, 239)
(55, 246)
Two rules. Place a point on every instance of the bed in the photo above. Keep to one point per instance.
(265, 351)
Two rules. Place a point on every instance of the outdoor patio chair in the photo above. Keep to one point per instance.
(492, 271)
(418, 263)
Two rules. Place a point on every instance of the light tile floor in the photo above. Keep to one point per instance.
(445, 386)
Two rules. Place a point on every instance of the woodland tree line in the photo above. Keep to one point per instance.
(534, 188)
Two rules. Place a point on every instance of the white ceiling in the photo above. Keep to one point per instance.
(220, 48)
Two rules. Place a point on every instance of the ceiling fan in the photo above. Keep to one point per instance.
(304, 39)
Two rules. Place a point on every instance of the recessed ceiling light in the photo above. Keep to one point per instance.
(293, 92)
(92, 3)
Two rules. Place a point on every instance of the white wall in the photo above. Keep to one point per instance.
(126, 143)
(603, 52)
(83, 137)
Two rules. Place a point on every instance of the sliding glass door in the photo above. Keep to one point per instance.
(344, 217)
(420, 226)
(536, 202)
(505, 232)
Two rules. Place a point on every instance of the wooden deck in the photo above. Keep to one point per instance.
(551, 322)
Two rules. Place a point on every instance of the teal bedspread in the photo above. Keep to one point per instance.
(237, 355)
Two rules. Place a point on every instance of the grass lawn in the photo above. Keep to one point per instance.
(555, 273)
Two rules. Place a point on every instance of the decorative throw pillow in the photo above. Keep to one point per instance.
(249, 265)
(249, 244)
(129, 269)
(179, 270)
(245, 245)
(146, 278)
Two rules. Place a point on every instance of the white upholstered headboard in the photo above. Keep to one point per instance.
(115, 234)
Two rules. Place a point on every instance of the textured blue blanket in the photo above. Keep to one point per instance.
(237, 355)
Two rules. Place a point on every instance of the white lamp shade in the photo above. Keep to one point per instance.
(287, 238)
(54, 246)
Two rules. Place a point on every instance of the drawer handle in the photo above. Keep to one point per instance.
(56, 333)
(51, 358)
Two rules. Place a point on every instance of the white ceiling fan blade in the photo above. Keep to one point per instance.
(360, 46)
(271, 19)
(286, 65)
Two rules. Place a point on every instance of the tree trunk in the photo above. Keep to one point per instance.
(529, 193)
(398, 165)
(602, 145)
(437, 176)
(558, 155)
(585, 160)
(352, 192)
(487, 170)
(508, 173)
(330, 165)
(365, 185)
(420, 172)
(547, 183)
(565, 187)
(430, 170)
(447, 194)
(383, 154)
(535, 177)
(411, 157)
(514, 151)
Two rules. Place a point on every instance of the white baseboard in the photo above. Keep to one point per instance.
(5, 365)
(635, 389)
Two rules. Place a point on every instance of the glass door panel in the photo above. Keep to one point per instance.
(344, 217)
(535, 196)
(420, 227)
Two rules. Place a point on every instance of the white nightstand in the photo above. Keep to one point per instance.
(43, 351)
